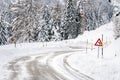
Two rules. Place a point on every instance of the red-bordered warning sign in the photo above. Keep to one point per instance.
(98, 42)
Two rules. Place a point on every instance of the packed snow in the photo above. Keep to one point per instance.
(80, 56)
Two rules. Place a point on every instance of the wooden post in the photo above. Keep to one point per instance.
(14, 40)
(102, 46)
(86, 45)
(98, 51)
(43, 44)
(92, 45)
(15, 44)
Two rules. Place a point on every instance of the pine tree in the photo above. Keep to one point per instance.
(70, 24)
(45, 32)
(81, 17)
(5, 27)
(3, 39)
(95, 12)
(6, 18)
(109, 1)
(56, 21)
(25, 21)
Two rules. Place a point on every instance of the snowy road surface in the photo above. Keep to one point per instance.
(46, 66)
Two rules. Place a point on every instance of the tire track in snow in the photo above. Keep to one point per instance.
(73, 71)
(14, 67)
(66, 67)
(36, 70)
(41, 72)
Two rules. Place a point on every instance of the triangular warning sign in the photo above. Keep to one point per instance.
(99, 43)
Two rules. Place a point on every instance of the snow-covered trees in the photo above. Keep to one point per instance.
(24, 22)
(57, 21)
(33, 20)
(3, 38)
(81, 18)
(109, 1)
(5, 27)
(70, 24)
(95, 12)
(46, 32)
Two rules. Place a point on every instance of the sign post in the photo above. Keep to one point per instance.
(14, 41)
(102, 46)
(99, 43)
(98, 51)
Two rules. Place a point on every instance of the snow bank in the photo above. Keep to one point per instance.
(106, 30)
(113, 49)
(106, 68)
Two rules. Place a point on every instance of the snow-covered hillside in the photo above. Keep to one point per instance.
(65, 59)
(106, 68)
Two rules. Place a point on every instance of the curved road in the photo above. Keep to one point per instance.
(46, 66)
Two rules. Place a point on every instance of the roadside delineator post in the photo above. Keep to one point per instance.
(86, 45)
(92, 46)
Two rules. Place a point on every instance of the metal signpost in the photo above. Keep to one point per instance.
(99, 43)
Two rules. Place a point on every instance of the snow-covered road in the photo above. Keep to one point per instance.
(63, 60)
(46, 66)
